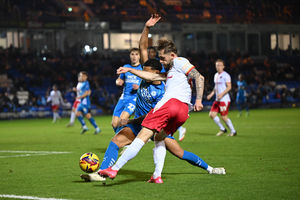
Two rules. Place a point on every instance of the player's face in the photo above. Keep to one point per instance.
(240, 77)
(82, 77)
(152, 54)
(220, 67)
(166, 58)
(134, 57)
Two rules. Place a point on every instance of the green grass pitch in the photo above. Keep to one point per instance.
(262, 162)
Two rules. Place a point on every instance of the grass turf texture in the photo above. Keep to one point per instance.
(262, 162)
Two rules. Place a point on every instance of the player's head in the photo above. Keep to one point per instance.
(167, 51)
(240, 77)
(152, 65)
(152, 52)
(54, 87)
(82, 76)
(134, 56)
(220, 65)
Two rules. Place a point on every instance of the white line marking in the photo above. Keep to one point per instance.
(26, 197)
(29, 153)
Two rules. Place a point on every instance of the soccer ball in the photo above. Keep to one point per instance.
(89, 162)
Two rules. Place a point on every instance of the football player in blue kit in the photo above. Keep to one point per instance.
(241, 96)
(84, 107)
(130, 82)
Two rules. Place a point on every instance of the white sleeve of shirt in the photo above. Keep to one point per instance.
(183, 65)
(227, 78)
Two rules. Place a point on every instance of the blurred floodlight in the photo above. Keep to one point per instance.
(70, 9)
(94, 48)
(149, 35)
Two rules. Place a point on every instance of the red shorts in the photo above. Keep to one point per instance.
(54, 107)
(221, 107)
(168, 117)
(75, 104)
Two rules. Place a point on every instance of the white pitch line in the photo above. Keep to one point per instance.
(50, 152)
(29, 153)
(26, 197)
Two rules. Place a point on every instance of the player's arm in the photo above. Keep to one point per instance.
(199, 84)
(211, 94)
(143, 44)
(85, 94)
(119, 81)
(148, 76)
(228, 88)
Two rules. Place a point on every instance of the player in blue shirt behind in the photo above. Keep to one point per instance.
(130, 82)
(84, 107)
(241, 96)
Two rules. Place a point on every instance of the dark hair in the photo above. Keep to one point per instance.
(152, 47)
(135, 49)
(166, 45)
(154, 64)
(84, 73)
(220, 60)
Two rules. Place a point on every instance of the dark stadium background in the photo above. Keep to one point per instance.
(48, 42)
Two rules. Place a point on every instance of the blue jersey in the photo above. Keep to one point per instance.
(129, 80)
(241, 89)
(84, 86)
(147, 97)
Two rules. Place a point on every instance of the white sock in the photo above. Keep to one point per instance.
(57, 115)
(209, 169)
(54, 116)
(230, 125)
(159, 154)
(218, 122)
(180, 128)
(129, 153)
(72, 118)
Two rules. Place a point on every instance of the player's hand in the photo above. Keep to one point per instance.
(135, 86)
(198, 105)
(119, 82)
(123, 122)
(209, 97)
(219, 96)
(153, 20)
(123, 70)
(74, 89)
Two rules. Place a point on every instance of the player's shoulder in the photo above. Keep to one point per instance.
(179, 60)
(226, 74)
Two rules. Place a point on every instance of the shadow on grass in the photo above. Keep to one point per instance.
(138, 176)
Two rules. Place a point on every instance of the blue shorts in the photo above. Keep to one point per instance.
(125, 104)
(136, 128)
(241, 99)
(85, 109)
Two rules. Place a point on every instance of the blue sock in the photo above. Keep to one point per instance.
(194, 160)
(93, 122)
(110, 156)
(80, 118)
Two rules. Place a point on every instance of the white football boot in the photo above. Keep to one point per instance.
(92, 177)
(220, 170)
